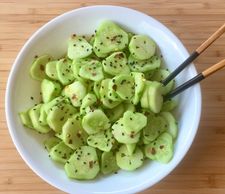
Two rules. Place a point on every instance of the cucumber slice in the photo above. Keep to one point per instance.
(92, 70)
(155, 97)
(96, 88)
(124, 86)
(65, 71)
(115, 113)
(43, 115)
(161, 149)
(142, 47)
(58, 100)
(161, 74)
(139, 81)
(51, 142)
(129, 162)
(73, 134)
(130, 148)
(144, 100)
(169, 105)
(76, 92)
(34, 114)
(112, 95)
(120, 134)
(108, 163)
(51, 71)
(94, 122)
(172, 123)
(155, 126)
(37, 70)
(116, 64)
(144, 65)
(78, 48)
(49, 90)
(134, 122)
(58, 115)
(129, 106)
(25, 119)
(104, 91)
(109, 38)
(83, 164)
(60, 153)
(88, 100)
(102, 140)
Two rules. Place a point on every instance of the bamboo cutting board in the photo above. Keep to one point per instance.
(203, 169)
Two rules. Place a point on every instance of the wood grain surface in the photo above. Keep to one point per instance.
(203, 169)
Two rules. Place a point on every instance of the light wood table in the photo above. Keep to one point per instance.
(203, 169)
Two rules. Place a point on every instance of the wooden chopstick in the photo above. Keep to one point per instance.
(195, 54)
(196, 79)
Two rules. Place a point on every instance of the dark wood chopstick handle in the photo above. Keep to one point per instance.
(196, 79)
(211, 39)
(214, 68)
(195, 54)
(184, 86)
(191, 58)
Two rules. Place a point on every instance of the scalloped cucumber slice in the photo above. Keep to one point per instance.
(65, 71)
(88, 100)
(59, 114)
(75, 92)
(120, 134)
(142, 47)
(155, 97)
(94, 122)
(134, 122)
(112, 95)
(161, 74)
(115, 113)
(139, 81)
(37, 70)
(155, 126)
(51, 142)
(96, 88)
(129, 106)
(104, 91)
(144, 100)
(25, 119)
(169, 105)
(50, 70)
(60, 153)
(43, 115)
(161, 149)
(102, 140)
(108, 163)
(73, 134)
(116, 64)
(50, 90)
(124, 86)
(92, 70)
(55, 101)
(129, 162)
(78, 48)
(172, 123)
(34, 114)
(131, 148)
(144, 65)
(109, 38)
(83, 164)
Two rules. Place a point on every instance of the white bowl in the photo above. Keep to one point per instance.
(51, 39)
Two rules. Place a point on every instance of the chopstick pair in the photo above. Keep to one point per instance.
(190, 59)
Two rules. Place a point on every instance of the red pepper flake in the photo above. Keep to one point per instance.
(91, 164)
(132, 135)
(74, 97)
(161, 146)
(42, 67)
(79, 134)
(70, 141)
(114, 87)
(153, 152)
(94, 74)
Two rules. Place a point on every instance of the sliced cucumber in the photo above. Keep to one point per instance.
(25, 119)
(51, 142)
(115, 113)
(108, 163)
(169, 105)
(83, 164)
(142, 47)
(50, 70)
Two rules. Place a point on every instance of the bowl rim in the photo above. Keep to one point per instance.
(15, 66)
